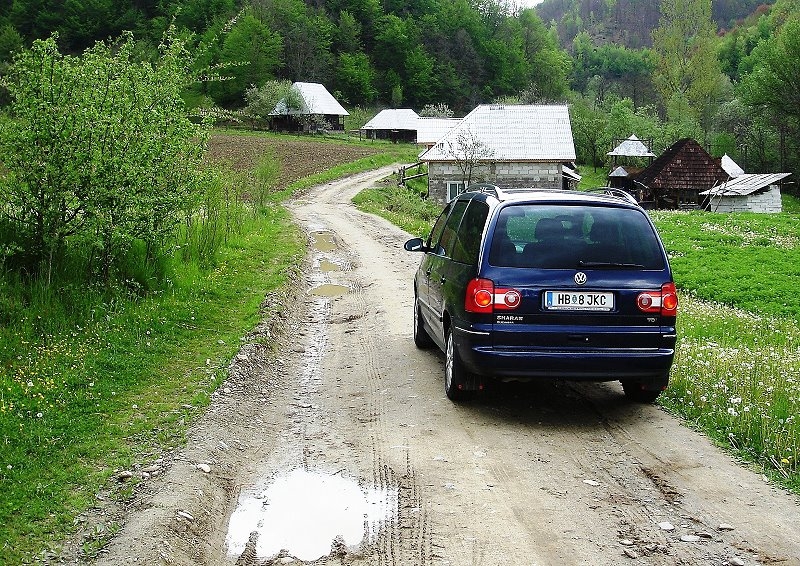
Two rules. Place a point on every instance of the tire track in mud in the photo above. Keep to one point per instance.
(405, 542)
(405, 539)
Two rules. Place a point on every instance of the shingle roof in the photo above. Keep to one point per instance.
(512, 133)
(746, 184)
(685, 165)
(316, 100)
(393, 119)
(631, 147)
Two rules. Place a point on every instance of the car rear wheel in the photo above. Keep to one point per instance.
(455, 374)
(642, 392)
(421, 337)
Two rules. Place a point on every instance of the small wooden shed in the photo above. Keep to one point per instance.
(318, 109)
(395, 124)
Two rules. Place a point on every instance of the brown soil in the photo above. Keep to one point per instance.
(298, 157)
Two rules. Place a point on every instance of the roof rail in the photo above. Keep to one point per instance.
(618, 193)
(487, 188)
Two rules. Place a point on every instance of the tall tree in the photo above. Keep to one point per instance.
(774, 84)
(686, 64)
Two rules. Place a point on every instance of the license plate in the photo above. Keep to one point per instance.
(578, 301)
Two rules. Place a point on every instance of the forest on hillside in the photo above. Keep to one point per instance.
(724, 73)
(629, 22)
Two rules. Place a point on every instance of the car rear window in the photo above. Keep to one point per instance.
(574, 237)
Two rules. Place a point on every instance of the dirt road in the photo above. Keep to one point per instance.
(343, 449)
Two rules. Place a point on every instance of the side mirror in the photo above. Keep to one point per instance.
(415, 245)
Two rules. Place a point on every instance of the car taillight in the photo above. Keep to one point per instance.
(663, 302)
(483, 297)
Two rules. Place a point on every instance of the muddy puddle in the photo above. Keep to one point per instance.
(305, 513)
(323, 241)
(329, 290)
(326, 266)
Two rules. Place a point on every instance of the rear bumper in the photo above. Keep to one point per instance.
(598, 364)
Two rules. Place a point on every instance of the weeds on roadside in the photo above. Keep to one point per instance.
(737, 377)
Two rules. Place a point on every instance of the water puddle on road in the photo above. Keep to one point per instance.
(323, 241)
(305, 512)
(329, 290)
(326, 266)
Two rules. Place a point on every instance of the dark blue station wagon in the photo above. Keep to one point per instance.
(530, 284)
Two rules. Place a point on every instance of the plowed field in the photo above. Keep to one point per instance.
(298, 157)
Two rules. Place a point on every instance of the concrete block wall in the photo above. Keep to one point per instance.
(768, 201)
(507, 174)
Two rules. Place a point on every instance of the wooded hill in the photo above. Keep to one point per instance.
(629, 23)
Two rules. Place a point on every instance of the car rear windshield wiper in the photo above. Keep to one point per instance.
(609, 265)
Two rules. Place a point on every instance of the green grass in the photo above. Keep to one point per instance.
(591, 179)
(736, 375)
(92, 383)
(119, 388)
(403, 207)
(747, 260)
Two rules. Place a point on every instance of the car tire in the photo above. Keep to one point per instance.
(640, 392)
(421, 337)
(455, 374)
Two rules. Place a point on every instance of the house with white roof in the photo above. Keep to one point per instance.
(431, 129)
(395, 124)
(317, 109)
(506, 145)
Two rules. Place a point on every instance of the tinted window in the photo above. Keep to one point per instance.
(436, 231)
(573, 237)
(448, 240)
(468, 239)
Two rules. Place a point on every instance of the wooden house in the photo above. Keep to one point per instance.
(678, 176)
(395, 124)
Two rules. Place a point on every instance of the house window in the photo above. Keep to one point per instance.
(454, 188)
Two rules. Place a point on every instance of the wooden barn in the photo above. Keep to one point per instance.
(395, 124)
(317, 110)
(678, 176)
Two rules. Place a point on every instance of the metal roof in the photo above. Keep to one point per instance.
(631, 147)
(316, 100)
(393, 119)
(514, 133)
(570, 173)
(730, 166)
(430, 130)
(746, 184)
(619, 172)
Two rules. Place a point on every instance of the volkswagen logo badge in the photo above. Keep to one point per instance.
(580, 278)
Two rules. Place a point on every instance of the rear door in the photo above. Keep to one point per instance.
(440, 269)
(579, 273)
